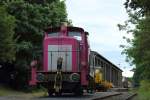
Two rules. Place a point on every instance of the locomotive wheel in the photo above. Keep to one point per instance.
(78, 91)
(50, 92)
(58, 93)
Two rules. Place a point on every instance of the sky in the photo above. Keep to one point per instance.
(100, 19)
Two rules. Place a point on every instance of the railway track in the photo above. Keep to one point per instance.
(119, 96)
(95, 96)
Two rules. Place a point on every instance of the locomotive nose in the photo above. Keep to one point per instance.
(62, 54)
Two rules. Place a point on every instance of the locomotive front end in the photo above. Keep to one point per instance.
(64, 63)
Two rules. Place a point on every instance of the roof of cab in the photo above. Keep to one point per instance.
(71, 28)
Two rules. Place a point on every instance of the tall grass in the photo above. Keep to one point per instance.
(5, 91)
(144, 90)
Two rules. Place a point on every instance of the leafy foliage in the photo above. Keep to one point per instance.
(144, 90)
(32, 17)
(139, 50)
(142, 5)
(7, 41)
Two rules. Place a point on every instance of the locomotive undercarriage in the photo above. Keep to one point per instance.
(67, 84)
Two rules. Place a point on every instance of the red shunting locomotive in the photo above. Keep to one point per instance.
(65, 61)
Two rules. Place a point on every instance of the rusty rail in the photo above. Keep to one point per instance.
(131, 96)
(104, 97)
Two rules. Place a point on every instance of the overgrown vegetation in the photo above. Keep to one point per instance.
(7, 41)
(144, 90)
(138, 50)
(21, 32)
(5, 91)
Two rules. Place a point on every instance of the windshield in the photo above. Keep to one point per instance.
(53, 34)
(76, 35)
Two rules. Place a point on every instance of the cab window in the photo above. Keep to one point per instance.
(76, 35)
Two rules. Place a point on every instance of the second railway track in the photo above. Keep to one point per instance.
(118, 96)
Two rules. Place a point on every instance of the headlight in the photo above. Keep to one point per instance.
(75, 77)
(40, 77)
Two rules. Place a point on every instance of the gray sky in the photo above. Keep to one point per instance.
(100, 19)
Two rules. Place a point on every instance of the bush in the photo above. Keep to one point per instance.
(21, 75)
(145, 85)
(144, 90)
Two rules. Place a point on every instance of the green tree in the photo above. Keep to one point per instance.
(138, 53)
(32, 17)
(7, 41)
(141, 5)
